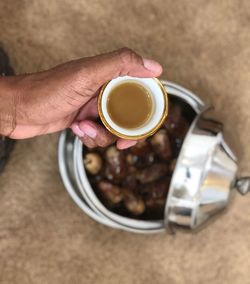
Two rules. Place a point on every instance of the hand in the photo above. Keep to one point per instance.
(66, 96)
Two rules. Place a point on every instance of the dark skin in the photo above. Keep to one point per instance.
(66, 96)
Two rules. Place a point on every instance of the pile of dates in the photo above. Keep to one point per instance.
(135, 182)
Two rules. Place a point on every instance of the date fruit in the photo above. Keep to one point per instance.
(92, 163)
(110, 192)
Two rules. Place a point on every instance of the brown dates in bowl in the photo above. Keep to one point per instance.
(135, 182)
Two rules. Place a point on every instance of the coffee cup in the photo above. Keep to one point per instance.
(138, 115)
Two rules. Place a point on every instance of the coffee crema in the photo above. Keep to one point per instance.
(129, 105)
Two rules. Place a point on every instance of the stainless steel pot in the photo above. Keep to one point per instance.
(201, 186)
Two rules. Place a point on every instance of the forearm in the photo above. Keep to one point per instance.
(8, 102)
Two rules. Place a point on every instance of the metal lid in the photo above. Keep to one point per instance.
(204, 176)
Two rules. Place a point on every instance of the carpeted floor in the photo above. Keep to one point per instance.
(44, 237)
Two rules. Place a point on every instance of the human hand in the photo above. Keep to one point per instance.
(66, 96)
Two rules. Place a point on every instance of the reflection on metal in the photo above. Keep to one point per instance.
(243, 185)
(212, 169)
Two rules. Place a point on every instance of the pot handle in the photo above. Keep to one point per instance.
(243, 185)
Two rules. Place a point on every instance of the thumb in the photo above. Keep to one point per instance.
(122, 62)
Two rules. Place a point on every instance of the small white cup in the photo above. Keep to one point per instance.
(159, 112)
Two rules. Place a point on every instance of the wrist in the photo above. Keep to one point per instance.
(8, 103)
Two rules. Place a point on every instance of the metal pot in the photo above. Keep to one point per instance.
(201, 186)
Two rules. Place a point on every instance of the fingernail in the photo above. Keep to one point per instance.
(124, 144)
(89, 130)
(77, 130)
(152, 65)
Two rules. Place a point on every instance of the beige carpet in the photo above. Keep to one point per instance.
(44, 237)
